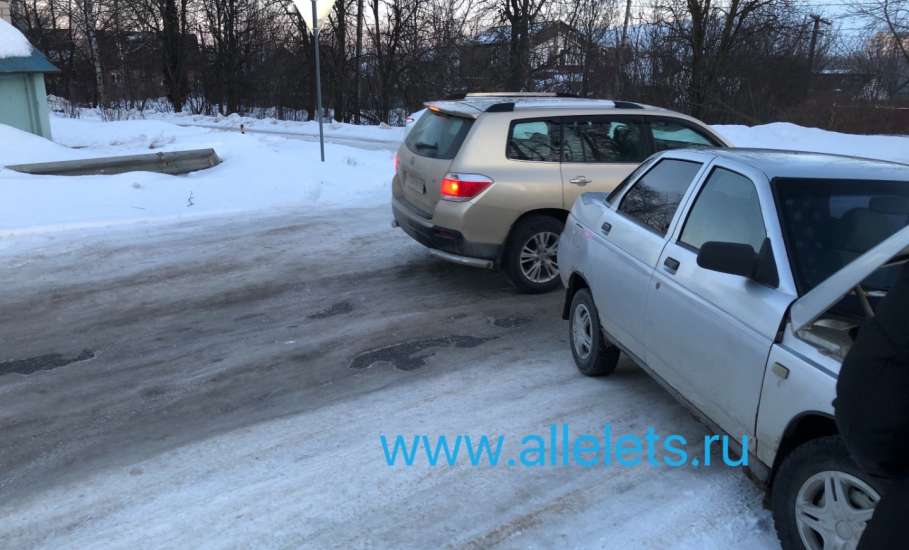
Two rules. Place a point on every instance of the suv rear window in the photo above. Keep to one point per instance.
(437, 135)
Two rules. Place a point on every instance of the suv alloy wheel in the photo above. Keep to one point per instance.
(531, 259)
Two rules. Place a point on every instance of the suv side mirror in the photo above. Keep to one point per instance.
(740, 259)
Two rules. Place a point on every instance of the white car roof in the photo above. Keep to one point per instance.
(810, 165)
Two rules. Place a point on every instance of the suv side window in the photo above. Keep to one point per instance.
(670, 134)
(653, 199)
(533, 140)
(601, 139)
(727, 209)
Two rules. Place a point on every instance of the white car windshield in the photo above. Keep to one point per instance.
(828, 223)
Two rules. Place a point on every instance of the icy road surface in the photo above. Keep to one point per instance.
(190, 386)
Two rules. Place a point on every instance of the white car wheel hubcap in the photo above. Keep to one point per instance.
(582, 331)
(831, 510)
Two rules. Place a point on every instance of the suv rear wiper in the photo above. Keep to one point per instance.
(423, 145)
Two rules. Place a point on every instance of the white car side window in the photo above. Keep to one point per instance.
(653, 199)
(727, 209)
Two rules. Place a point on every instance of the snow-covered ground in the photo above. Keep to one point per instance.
(258, 172)
(274, 165)
(219, 409)
(383, 132)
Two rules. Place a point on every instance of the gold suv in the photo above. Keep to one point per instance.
(487, 180)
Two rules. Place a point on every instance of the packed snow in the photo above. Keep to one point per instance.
(331, 129)
(274, 165)
(258, 171)
(12, 42)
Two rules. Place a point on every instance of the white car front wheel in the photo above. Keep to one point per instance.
(821, 500)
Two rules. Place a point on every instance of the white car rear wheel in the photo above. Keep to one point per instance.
(593, 355)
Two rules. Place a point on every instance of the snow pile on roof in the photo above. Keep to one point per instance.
(12, 42)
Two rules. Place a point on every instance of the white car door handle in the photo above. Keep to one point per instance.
(579, 180)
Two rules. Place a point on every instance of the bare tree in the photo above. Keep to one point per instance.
(520, 17)
(592, 21)
(713, 32)
(86, 19)
(887, 48)
(169, 22)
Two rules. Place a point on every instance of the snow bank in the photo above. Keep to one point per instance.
(783, 135)
(18, 147)
(258, 172)
(382, 133)
(100, 135)
(12, 42)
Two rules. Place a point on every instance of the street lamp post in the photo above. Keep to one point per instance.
(315, 41)
(320, 9)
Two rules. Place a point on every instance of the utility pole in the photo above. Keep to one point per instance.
(620, 52)
(359, 62)
(812, 50)
(315, 41)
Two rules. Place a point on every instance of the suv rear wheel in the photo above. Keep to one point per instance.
(821, 499)
(531, 259)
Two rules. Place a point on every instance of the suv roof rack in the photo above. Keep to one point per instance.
(511, 94)
(508, 106)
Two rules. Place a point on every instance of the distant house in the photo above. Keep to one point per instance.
(23, 99)
(559, 55)
(839, 82)
(891, 79)
(130, 62)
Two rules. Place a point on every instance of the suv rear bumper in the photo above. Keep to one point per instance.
(442, 242)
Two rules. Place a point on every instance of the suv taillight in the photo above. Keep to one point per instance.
(396, 162)
(463, 187)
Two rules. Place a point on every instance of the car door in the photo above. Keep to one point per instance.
(711, 332)
(598, 152)
(631, 236)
